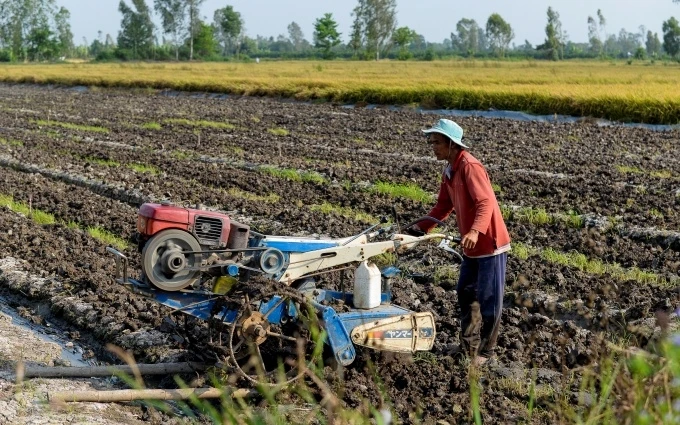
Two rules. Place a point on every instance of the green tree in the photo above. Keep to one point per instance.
(101, 49)
(356, 40)
(553, 31)
(41, 44)
(136, 29)
(296, 36)
(671, 36)
(63, 31)
(499, 33)
(594, 39)
(627, 43)
(467, 39)
(403, 37)
(193, 9)
(21, 18)
(205, 44)
(229, 25)
(653, 44)
(248, 45)
(173, 15)
(326, 35)
(602, 25)
(378, 20)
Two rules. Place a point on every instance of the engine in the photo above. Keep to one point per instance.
(180, 246)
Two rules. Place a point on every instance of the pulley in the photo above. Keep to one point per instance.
(272, 261)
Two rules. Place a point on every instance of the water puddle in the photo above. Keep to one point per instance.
(47, 334)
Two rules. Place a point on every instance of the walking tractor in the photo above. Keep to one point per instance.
(263, 291)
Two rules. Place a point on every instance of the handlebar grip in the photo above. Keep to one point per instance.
(456, 239)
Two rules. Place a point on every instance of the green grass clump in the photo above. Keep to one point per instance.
(143, 168)
(408, 191)
(540, 217)
(580, 261)
(70, 126)
(38, 216)
(42, 217)
(72, 225)
(446, 273)
(293, 175)
(151, 126)
(107, 237)
(236, 150)
(661, 174)
(521, 251)
(181, 154)
(6, 201)
(655, 213)
(313, 177)
(327, 208)
(11, 142)
(573, 219)
(425, 357)
(536, 216)
(278, 131)
(284, 173)
(200, 123)
(506, 212)
(21, 208)
(625, 169)
(385, 259)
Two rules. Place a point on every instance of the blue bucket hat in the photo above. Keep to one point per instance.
(449, 129)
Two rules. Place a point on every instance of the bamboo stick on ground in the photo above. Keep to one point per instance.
(130, 395)
(92, 371)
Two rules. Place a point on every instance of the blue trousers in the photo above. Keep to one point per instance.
(481, 286)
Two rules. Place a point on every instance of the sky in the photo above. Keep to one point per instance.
(434, 19)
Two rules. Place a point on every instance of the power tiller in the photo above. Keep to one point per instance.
(204, 264)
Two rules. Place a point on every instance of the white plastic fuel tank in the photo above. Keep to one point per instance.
(367, 284)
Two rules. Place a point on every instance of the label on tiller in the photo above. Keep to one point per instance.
(405, 333)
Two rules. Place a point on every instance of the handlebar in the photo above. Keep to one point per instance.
(403, 241)
(424, 218)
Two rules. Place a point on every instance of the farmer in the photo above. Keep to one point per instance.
(466, 190)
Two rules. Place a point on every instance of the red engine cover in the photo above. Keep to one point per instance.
(207, 226)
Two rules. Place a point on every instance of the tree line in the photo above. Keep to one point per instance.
(39, 30)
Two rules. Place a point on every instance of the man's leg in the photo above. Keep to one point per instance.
(470, 322)
(490, 290)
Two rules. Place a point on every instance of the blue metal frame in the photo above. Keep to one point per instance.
(288, 245)
(338, 326)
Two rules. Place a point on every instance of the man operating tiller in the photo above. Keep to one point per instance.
(466, 190)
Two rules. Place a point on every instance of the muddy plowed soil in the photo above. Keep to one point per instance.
(76, 154)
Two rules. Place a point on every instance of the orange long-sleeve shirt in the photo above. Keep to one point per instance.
(466, 190)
